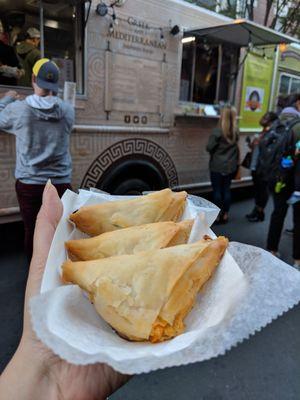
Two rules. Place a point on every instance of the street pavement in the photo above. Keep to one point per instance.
(265, 367)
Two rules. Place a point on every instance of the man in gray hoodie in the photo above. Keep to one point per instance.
(42, 124)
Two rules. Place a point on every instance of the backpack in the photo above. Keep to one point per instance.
(278, 142)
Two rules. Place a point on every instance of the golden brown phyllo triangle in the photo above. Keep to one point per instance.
(130, 240)
(146, 296)
(164, 205)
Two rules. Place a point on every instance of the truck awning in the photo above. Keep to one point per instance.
(240, 33)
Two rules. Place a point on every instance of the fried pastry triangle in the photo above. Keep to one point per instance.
(130, 240)
(164, 205)
(141, 296)
(183, 234)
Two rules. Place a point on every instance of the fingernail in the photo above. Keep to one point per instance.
(49, 183)
(46, 189)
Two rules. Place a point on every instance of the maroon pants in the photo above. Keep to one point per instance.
(30, 201)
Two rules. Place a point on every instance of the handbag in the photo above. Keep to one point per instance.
(246, 163)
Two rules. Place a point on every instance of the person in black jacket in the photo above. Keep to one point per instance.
(29, 53)
(224, 158)
(8, 58)
(282, 191)
(260, 186)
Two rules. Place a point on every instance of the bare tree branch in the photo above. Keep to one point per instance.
(269, 4)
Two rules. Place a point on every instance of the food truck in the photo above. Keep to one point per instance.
(149, 76)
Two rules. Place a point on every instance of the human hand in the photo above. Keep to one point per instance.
(12, 93)
(34, 370)
(20, 73)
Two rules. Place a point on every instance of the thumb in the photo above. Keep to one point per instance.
(46, 223)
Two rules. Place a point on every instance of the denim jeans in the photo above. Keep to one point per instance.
(221, 190)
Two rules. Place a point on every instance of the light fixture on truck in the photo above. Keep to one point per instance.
(188, 39)
(282, 47)
(175, 30)
(102, 9)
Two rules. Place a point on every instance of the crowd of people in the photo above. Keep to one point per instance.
(274, 162)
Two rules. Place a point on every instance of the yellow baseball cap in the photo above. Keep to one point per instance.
(47, 74)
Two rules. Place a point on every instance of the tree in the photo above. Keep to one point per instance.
(209, 4)
(291, 22)
(286, 16)
(229, 9)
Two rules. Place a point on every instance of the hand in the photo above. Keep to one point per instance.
(20, 73)
(34, 370)
(12, 93)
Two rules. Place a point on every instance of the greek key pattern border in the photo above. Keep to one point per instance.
(126, 148)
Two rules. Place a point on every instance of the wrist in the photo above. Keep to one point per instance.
(26, 376)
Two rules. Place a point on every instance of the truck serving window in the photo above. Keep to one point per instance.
(60, 25)
(208, 70)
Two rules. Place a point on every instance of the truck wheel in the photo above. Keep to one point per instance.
(131, 165)
(133, 176)
(132, 187)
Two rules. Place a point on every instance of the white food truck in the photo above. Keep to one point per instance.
(149, 75)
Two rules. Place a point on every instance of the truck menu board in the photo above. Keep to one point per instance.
(133, 84)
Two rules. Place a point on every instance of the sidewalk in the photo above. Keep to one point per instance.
(239, 229)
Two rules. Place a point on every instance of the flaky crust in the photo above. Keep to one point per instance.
(183, 233)
(164, 205)
(146, 296)
(130, 240)
(171, 318)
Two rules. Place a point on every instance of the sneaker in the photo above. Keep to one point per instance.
(295, 198)
(223, 221)
(252, 214)
(289, 231)
(275, 253)
(258, 217)
(220, 219)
